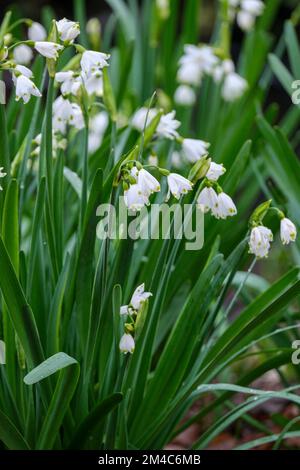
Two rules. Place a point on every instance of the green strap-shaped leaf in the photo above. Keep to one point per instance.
(59, 405)
(19, 311)
(89, 425)
(10, 435)
(48, 367)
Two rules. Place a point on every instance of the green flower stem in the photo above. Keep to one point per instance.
(84, 193)
(225, 33)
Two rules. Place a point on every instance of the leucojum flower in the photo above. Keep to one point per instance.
(261, 236)
(132, 311)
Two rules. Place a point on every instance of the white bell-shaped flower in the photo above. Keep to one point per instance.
(138, 120)
(178, 185)
(67, 30)
(225, 207)
(139, 297)
(288, 231)
(167, 126)
(48, 49)
(23, 54)
(194, 149)
(147, 182)
(134, 198)
(185, 96)
(208, 199)
(25, 88)
(91, 61)
(259, 243)
(234, 87)
(215, 171)
(37, 32)
(127, 344)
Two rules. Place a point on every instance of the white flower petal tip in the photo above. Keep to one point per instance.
(67, 30)
(185, 96)
(138, 120)
(147, 183)
(215, 171)
(167, 126)
(23, 54)
(194, 149)
(92, 61)
(37, 32)
(225, 207)
(288, 231)
(25, 88)
(48, 49)
(178, 185)
(259, 244)
(207, 200)
(139, 297)
(234, 87)
(134, 198)
(127, 344)
(124, 310)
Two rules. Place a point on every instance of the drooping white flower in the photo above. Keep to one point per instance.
(288, 231)
(127, 344)
(194, 149)
(21, 69)
(76, 118)
(225, 207)
(25, 88)
(94, 83)
(134, 198)
(223, 68)
(147, 182)
(37, 32)
(260, 239)
(215, 171)
(185, 96)
(92, 61)
(254, 7)
(190, 73)
(61, 110)
(139, 118)
(2, 175)
(178, 185)
(139, 297)
(208, 199)
(245, 20)
(97, 127)
(67, 30)
(201, 55)
(48, 49)
(234, 87)
(70, 83)
(23, 54)
(2, 352)
(167, 126)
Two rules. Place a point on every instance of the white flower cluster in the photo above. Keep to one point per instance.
(89, 75)
(193, 149)
(219, 203)
(261, 237)
(134, 308)
(198, 61)
(58, 143)
(140, 184)
(246, 12)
